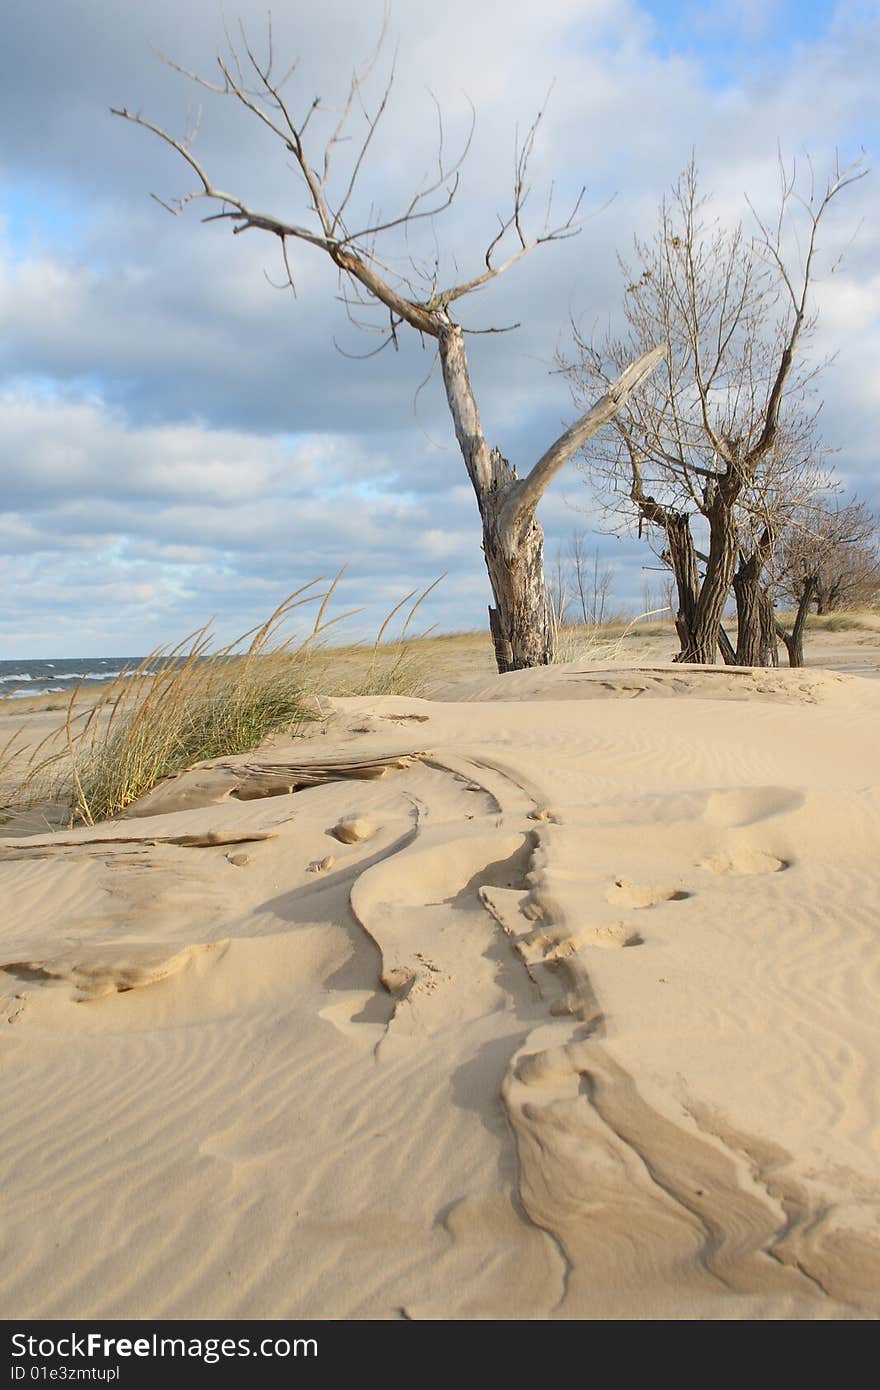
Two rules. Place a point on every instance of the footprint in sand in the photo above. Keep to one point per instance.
(14, 1006)
(612, 935)
(744, 862)
(628, 894)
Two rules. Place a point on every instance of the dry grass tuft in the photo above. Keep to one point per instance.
(188, 704)
(837, 622)
(598, 644)
(180, 707)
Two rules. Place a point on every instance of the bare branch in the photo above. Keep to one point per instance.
(530, 490)
(362, 153)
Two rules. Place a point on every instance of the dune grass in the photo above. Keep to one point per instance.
(188, 704)
(837, 622)
(180, 707)
(603, 643)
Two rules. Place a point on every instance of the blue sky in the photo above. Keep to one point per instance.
(178, 439)
(725, 37)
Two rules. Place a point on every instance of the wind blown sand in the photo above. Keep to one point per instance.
(557, 999)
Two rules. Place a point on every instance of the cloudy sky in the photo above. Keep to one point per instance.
(180, 439)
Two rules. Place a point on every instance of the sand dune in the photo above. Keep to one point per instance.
(530, 1003)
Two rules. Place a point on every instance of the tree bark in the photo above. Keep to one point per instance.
(755, 628)
(748, 615)
(769, 645)
(717, 579)
(522, 627)
(683, 563)
(680, 554)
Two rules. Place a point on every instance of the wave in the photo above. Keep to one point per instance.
(20, 676)
(90, 675)
(70, 677)
(32, 694)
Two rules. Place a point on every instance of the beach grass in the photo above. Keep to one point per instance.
(190, 703)
(837, 622)
(603, 642)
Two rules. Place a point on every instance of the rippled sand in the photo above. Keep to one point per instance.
(559, 999)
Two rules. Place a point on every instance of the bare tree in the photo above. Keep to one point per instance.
(592, 580)
(848, 569)
(698, 446)
(829, 554)
(512, 537)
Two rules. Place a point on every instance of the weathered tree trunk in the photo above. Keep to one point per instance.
(700, 602)
(520, 622)
(720, 563)
(522, 628)
(680, 555)
(682, 559)
(794, 640)
(746, 588)
(769, 645)
(756, 624)
(755, 627)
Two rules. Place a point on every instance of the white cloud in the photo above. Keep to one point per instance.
(199, 434)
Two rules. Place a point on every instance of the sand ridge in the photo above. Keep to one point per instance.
(582, 1025)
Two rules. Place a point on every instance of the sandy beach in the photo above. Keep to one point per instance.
(556, 997)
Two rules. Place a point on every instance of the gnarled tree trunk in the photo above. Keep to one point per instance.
(703, 637)
(769, 645)
(747, 591)
(755, 627)
(522, 627)
(513, 541)
(682, 559)
(700, 601)
(794, 640)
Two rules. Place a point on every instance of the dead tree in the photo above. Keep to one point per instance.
(592, 581)
(520, 620)
(828, 553)
(691, 451)
(847, 567)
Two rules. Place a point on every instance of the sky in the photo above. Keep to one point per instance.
(181, 439)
